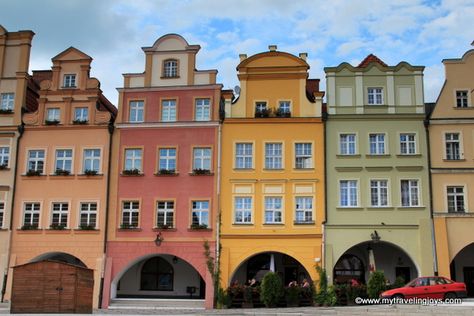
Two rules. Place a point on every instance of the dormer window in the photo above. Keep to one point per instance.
(461, 99)
(375, 96)
(69, 81)
(170, 68)
(53, 116)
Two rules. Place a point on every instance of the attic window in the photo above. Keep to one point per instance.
(170, 68)
(69, 81)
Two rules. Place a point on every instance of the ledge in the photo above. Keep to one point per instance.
(5, 169)
(274, 224)
(380, 208)
(167, 174)
(348, 156)
(411, 208)
(409, 168)
(200, 174)
(385, 168)
(243, 224)
(200, 230)
(408, 155)
(86, 231)
(349, 208)
(138, 229)
(244, 169)
(92, 176)
(38, 230)
(304, 223)
(62, 176)
(33, 177)
(303, 169)
(457, 214)
(349, 169)
(454, 160)
(377, 156)
(58, 231)
(132, 175)
(156, 229)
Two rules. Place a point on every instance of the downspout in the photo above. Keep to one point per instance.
(323, 224)
(433, 236)
(110, 129)
(21, 130)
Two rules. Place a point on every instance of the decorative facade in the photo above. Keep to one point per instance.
(451, 133)
(378, 202)
(272, 180)
(60, 209)
(165, 163)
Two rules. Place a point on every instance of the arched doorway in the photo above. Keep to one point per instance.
(258, 265)
(392, 260)
(61, 257)
(160, 276)
(462, 268)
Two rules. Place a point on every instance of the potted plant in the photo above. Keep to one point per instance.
(271, 289)
(90, 172)
(33, 173)
(62, 172)
(131, 172)
(199, 171)
(166, 171)
(57, 226)
(80, 122)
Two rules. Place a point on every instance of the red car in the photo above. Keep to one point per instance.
(429, 287)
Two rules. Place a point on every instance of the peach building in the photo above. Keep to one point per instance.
(17, 93)
(165, 171)
(62, 179)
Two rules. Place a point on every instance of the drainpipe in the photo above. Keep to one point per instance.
(110, 128)
(323, 224)
(218, 228)
(426, 122)
(21, 130)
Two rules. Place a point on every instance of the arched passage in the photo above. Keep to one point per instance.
(462, 268)
(158, 276)
(355, 263)
(61, 257)
(256, 266)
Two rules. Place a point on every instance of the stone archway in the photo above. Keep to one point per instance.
(462, 268)
(61, 257)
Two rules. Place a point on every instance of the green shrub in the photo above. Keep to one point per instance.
(223, 298)
(293, 295)
(325, 295)
(399, 282)
(376, 284)
(271, 289)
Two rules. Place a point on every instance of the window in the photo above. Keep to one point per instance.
(303, 156)
(284, 107)
(260, 106)
(168, 111)
(133, 159)
(243, 155)
(165, 214)
(200, 213)
(167, 159)
(273, 156)
(91, 160)
(136, 111)
(2, 213)
(452, 143)
(202, 158)
(407, 144)
(456, 199)
(4, 156)
(462, 99)
(7, 102)
(347, 144)
(130, 211)
(53, 115)
(59, 214)
(31, 213)
(81, 114)
(88, 214)
(374, 96)
(273, 210)
(36, 160)
(348, 193)
(410, 193)
(202, 110)
(377, 144)
(304, 209)
(63, 160)
(243, 210)
(378, 193)
(69, 81)
(157, 274)
(170, 68)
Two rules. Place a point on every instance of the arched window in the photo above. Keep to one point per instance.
(349, 267)
(157, 275)
(170, 68)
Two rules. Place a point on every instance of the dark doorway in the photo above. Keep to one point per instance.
(403, 272)
(469, 280)
(349, 267)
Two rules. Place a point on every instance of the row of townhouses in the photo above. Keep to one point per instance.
(268, 176)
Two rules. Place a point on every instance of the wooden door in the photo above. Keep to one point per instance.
(67, 289)
(51, 286)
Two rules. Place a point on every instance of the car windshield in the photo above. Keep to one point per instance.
(411, 283)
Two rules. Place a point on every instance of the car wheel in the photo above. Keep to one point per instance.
(449, 296)
(398, 296)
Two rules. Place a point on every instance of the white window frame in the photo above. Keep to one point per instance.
(62, 211)
(464, 100)
(457, 208)
(346, 144)
(88, 212)
(170, 68)
(133, 159)
(375, 96)
(7, 101)
(380, 195)
(169, 110)
(353, 200)
(243, 159)
(2, 213)
(261, 106)
(63, 160)
(284, 106)
(36, 160)
(380, 145)
(166, 158)
(53, 114)
(273, 155)
(447, 142)
(202, 158)
(411, 188)
(169, 208)
(197, 206)
(243, 212)
(136, 111)
(407, 143)
(303, 159)
(92, 158)
(202, 109)
(131, 211)
(5, 156)
(81, 114)
(304, 213)
(69, 81)
(271, 207)
(35, 211)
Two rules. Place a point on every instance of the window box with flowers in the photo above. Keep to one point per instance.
(51, 122)
(86, 227)
(164, 226)
(262, 113)
(131, 172)
(128, 226)
(29, 227)
(33, 173)
(282, 113)
(80, 122)
(3, 166)
(6, 111)
(89, 172)
(201, 172)
(57, 226)
(199, 227)
(167, 172)
(62, 172)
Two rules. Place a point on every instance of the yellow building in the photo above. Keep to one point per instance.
(272, 189)
(451, 133)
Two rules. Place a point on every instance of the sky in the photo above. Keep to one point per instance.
(112, 32)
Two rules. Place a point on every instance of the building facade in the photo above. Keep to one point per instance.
(272, 183)
(17, 93)
(452, 171)
(165, 163)
(62, 176)
(378, 202)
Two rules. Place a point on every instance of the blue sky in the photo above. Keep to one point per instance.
(113, 32)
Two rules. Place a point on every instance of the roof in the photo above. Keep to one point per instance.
(371, 58)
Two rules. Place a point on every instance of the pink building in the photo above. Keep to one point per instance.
(164, 188)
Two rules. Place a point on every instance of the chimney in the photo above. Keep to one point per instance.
(303, 56)
(272, 48)
(242, 57)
